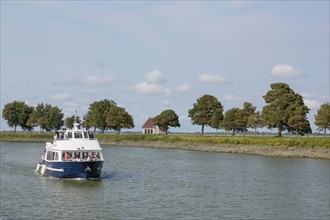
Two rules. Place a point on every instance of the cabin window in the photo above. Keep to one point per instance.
(84, 155)
(51, 155)
(56, 156)
(69, 135)
(91, 135)
(85, 134)
(77, 135)
(67, 156)
(76, 156)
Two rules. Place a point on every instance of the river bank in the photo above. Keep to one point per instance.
(308, 147)
(278, 151)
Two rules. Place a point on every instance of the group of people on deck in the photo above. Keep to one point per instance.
(59, 136)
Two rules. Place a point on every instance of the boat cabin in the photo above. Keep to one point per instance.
(73, 145)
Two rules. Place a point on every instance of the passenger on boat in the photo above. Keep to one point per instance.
(55, 136)
(60, 137)
(67, 156)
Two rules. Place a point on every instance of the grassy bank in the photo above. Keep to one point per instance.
(290, 146)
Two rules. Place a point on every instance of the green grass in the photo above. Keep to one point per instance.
(289, 141)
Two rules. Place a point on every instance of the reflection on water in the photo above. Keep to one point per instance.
(141, 183)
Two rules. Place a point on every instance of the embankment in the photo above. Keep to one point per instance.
(280, 151)
(288, 146)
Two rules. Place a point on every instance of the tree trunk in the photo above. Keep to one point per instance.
(15, 126)
(279, 133)
(202, 128)
(255, 131)
(325, 132)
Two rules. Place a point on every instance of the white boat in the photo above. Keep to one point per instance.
(74, 153)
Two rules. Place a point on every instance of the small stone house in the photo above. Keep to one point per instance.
(150, 127)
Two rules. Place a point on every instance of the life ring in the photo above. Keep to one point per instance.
(88, 169)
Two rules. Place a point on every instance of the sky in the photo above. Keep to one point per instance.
(149, 56)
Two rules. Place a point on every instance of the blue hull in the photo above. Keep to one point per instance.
(73, 169)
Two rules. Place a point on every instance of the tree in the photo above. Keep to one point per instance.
(322, 118)
(232, 120)
(97, 114)
(69, 121)
(298, 122)
(167, 118)
(203, 110)
(217, 119)
(47, 117)
(118, 118)
(17, 113)
(85, 122)
(247, 111)
(281, 104)
(255, 121)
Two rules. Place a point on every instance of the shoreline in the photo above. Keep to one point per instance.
(272, 151)
(294, 151)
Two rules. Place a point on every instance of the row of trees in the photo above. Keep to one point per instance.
(284, 110)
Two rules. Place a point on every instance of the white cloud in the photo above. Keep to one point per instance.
(64, 82)
(155, 76)
(312, 103)
(212, 79)
(234, 99)
(94, 80)
(148, 88)
(165, 103)
(60, 97)
(285, 70)
(183, 88)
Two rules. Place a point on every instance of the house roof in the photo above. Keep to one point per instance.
(149, 123)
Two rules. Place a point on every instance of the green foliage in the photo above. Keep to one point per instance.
(281, 104)
(97, 114)
(203, 110)
(255, 121)
(118, 118)
(69, 121)
(17, 114)
(46, 117)
(217, 119)
(167, 118)
(232, 120)
(322, 118)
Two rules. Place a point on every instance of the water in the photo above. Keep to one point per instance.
(142, 183)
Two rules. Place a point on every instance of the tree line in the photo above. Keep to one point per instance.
(284, 110)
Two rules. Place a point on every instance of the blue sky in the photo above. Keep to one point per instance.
(149, 56)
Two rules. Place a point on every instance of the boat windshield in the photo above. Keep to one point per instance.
(75, 135)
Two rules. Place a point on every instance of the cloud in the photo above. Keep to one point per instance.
(212, 79)
(234, 98)
(94, 80)
(183, 88)
(312, 103)
(155, 76)
(148, 88)
(64, 82)
(60, 97)
(285, 70)
(165, 103)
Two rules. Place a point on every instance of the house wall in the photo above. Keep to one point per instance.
(154, 130)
